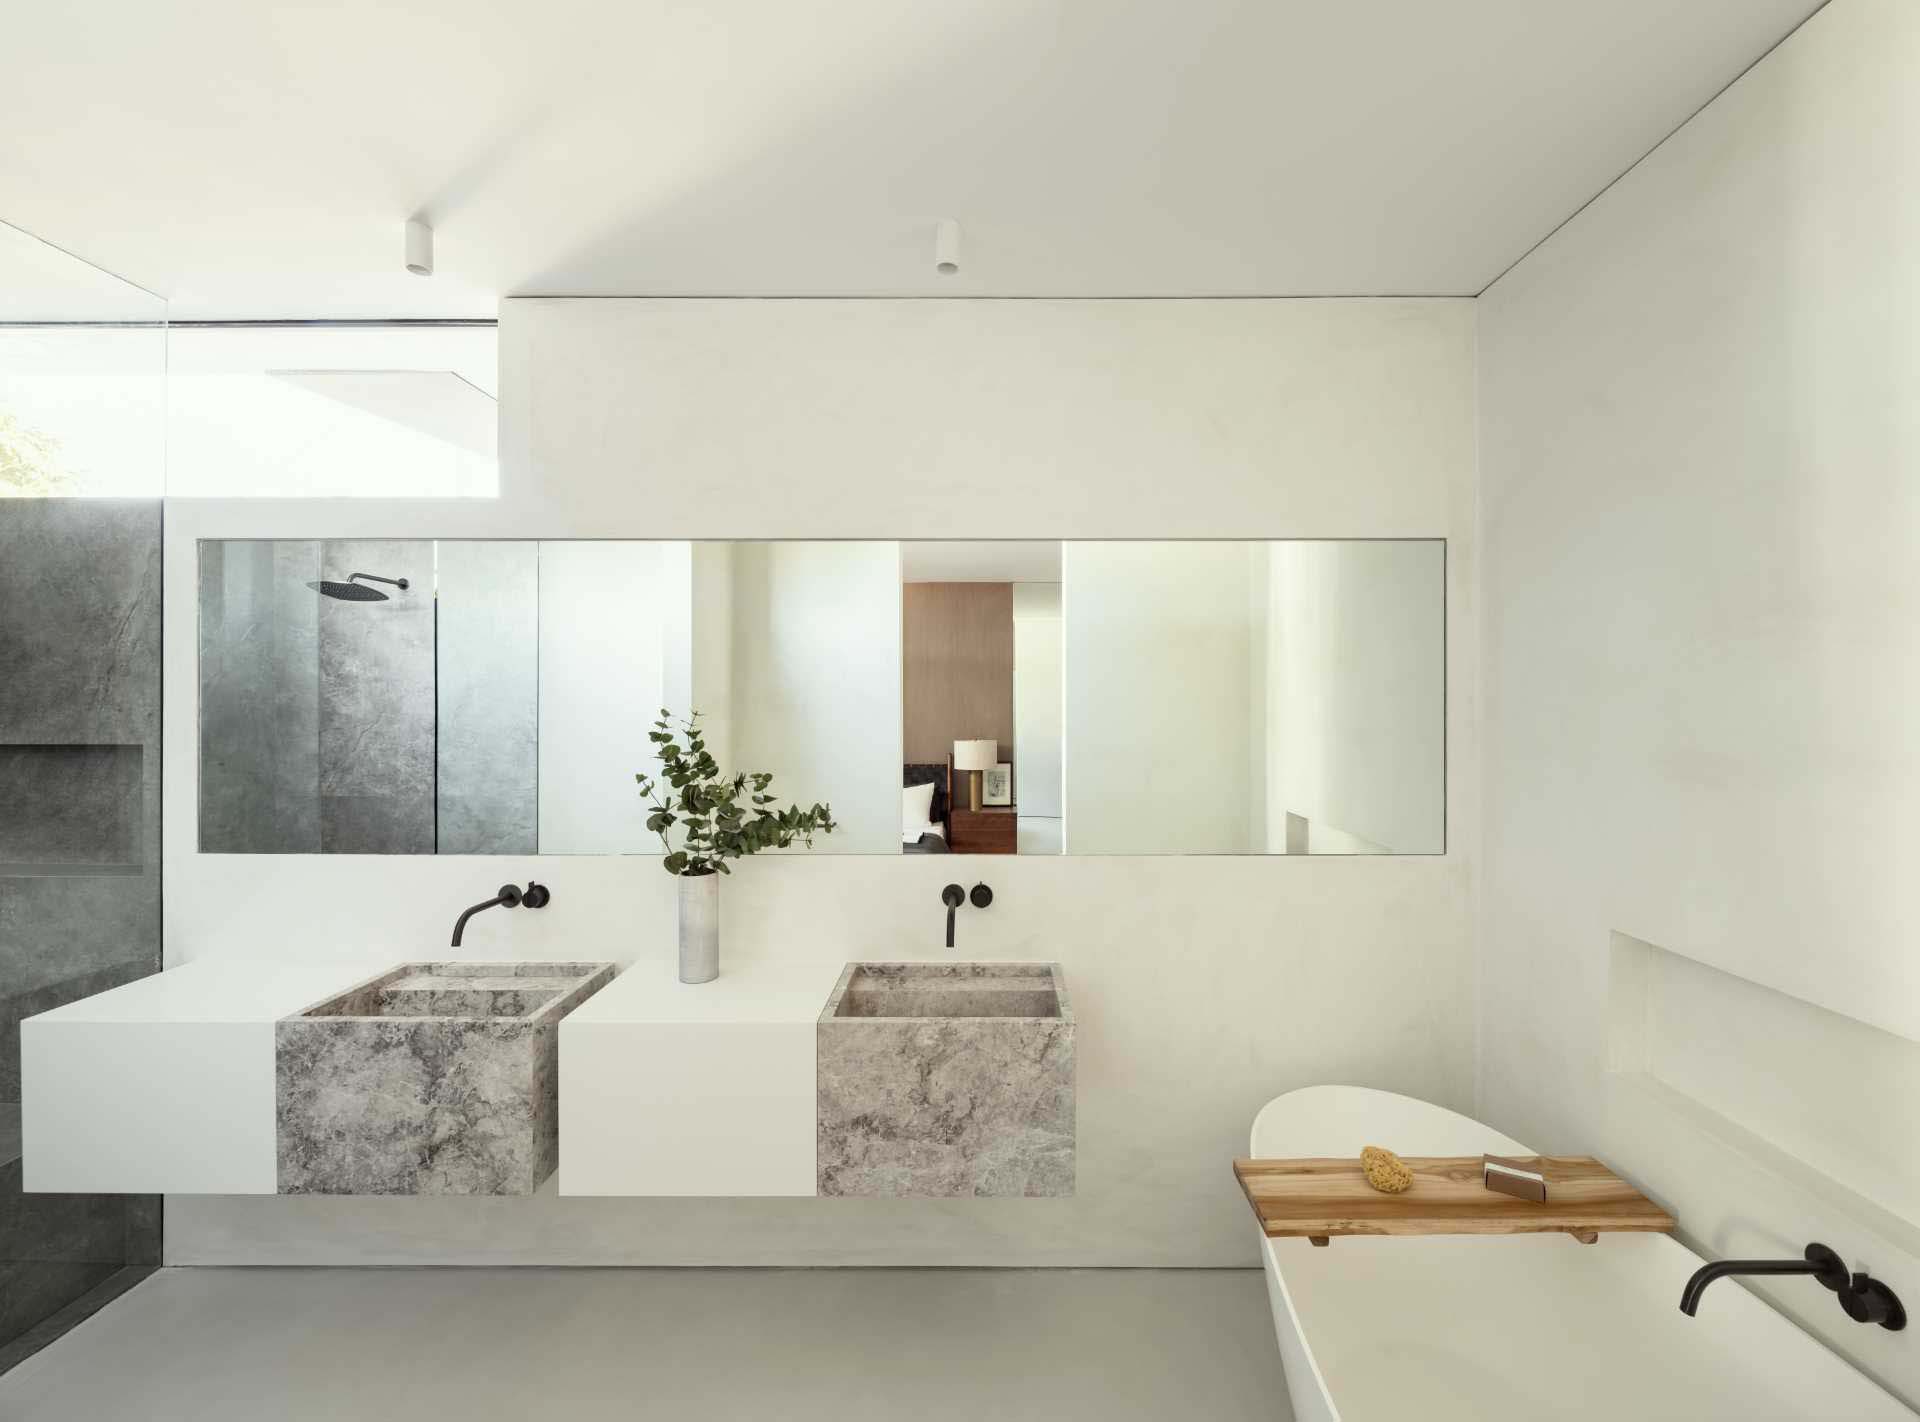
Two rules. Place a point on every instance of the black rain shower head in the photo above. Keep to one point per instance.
(352, 590)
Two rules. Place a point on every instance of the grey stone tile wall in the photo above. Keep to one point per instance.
(377, 702)
(79, 608)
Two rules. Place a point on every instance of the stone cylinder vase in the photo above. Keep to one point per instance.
(699, 927)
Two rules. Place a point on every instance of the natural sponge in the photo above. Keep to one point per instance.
(1385, 1171)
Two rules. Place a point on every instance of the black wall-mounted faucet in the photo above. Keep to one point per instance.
(510, 896)
(953, 896)
(1863, 1298)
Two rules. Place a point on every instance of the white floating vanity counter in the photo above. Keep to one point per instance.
(807, 1079)
(166, 1085)
(670, 1089)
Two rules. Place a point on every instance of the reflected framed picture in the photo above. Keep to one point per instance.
(996, 785)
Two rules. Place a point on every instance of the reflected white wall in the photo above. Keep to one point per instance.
(1355, 681)
(1217, 692)
(601, 659)
(816, 681)
(1158, 649)
(1037, 700)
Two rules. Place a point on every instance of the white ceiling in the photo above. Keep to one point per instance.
(250, 159)
(39, 282)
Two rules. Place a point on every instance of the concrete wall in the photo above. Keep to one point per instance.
(1204, 986)
(1701, 672)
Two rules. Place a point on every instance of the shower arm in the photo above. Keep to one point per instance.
(400, 583)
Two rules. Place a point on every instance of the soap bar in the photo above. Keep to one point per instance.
(1385, 1171)
(1522, 1179)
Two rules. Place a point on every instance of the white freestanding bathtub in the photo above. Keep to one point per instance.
(1518, 1326)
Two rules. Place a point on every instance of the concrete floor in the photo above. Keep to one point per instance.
(223, 1345)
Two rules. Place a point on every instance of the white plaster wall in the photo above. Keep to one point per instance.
(1701, 673)
(1204, 986)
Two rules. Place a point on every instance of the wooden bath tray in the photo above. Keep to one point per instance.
(1320, 1198)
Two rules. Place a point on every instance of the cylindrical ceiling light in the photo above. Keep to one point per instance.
(419, 248)
(946, 247)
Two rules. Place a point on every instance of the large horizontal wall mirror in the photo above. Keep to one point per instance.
(1175, 698)
(414, 696)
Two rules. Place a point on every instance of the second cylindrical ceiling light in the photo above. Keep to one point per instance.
(946, 247)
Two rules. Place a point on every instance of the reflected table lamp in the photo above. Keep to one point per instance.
(975, 757)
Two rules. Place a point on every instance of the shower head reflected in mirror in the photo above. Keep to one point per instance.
(354, 589)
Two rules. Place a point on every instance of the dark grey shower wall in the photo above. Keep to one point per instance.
(259, 697)
(377, 702)
(80, 849)
(489, 692)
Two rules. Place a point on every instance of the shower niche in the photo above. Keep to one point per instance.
(73, 810)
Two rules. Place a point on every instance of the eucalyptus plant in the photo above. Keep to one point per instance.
(719, 818)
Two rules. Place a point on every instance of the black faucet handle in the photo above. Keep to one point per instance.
(536, 896)
(981, 896)
(1867, 1300)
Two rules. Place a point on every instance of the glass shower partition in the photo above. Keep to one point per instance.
(82, 459)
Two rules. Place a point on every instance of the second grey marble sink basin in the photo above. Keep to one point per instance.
(944, 1079)
(429, 1079)
(949, 990)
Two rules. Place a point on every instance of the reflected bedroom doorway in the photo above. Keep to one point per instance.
(981, 698)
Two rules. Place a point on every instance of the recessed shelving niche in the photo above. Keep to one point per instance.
(71, 810)
(1808, 1095)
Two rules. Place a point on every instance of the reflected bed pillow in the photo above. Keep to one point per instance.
(916, 809)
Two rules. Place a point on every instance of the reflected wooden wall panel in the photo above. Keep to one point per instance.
(957, 667)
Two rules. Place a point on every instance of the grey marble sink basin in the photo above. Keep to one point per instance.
(460, 990)
(428, 1079)
(946, 1079)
